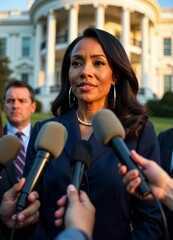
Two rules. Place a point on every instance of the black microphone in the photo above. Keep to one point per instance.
(49, 144)
(109, 131)
(81, 158)
(10, 147)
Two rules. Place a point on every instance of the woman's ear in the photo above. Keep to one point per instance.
(114, 80)
(115, 77)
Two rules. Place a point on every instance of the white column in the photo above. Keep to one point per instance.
(100, 15)
(153, 53)
(144, 56)
(37, 42)
(50, 54)
(72, 22)
(12, 49)
(125, 37)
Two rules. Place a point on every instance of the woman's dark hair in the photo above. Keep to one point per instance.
(131, 113)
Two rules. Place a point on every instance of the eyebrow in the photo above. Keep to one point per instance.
(92, 56)
(19, 98)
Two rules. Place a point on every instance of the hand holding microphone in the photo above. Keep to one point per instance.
(81, 158)
(49, 145)
(109, 131)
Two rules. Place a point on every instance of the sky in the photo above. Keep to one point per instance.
(6, 5)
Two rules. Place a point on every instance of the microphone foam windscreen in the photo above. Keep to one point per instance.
(82, 152)
(106, 125)
(9, 149)
(51, 138)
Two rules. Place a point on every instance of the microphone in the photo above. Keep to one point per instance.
(109, 131)
(81, 158)
(49, 144)
(9, 149)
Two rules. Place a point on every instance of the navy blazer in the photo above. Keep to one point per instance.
(116, 210)
(166, 148)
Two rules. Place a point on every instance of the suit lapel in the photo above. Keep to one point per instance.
(70, 121)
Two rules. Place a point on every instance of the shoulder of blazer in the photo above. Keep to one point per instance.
(163, 135)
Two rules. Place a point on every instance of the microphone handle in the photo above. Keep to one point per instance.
(78, 174)
(42, 158)
(123, 153)
(76, 180)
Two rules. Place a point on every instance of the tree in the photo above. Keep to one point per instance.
(5, 72)
(162, 107)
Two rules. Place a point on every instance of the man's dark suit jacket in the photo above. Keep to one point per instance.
(166, 147)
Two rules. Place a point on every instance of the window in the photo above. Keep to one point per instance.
(2, 47)
(26, 44)
(167, 83)
(25, 77)
(167, 46)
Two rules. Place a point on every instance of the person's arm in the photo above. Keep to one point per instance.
(79, 215)
(26, 217)
(73, 234)
(146, 221)
(160, 182)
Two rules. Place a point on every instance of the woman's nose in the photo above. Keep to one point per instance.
(86, 71)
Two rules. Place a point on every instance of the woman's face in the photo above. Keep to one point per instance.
(90, 73)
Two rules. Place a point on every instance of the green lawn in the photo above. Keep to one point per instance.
(160, 123)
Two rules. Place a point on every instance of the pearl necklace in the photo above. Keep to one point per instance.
(87, 124)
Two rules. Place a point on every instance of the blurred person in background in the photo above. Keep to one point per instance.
(166, 152)
(26, 218)
(19, 105)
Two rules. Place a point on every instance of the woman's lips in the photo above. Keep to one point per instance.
(86, 86)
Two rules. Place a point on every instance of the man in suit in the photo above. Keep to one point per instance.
(19, 105)
(166, 149)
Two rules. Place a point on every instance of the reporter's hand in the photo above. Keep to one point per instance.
(26, 217)
(80, 212)
(156, 176)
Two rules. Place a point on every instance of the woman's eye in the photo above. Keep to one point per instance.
(99, 63)
(76, 63)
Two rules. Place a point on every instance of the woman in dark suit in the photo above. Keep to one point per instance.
(97, 74)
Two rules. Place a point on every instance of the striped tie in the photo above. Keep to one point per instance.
(20, 160)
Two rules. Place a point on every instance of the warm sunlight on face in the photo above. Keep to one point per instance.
(90, 73)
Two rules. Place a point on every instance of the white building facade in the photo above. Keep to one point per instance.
(35, 40)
